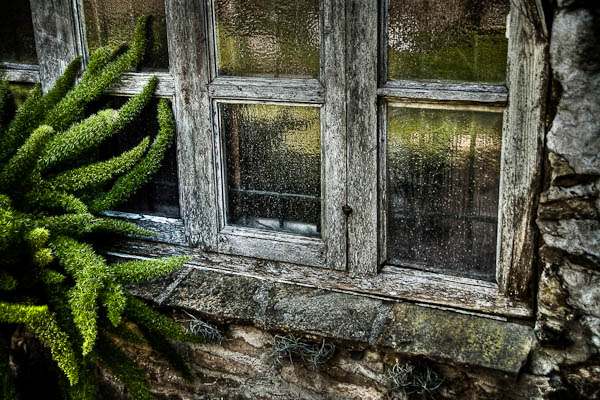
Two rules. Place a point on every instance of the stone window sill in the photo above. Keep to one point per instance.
(220, 292)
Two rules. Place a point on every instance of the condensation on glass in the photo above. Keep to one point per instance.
(448, 40)
(267, 38)
(443, 171)
(273, 167)
(17, 42)
(112, 22)
(160, 196)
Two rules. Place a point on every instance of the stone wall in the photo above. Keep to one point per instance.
(568, 318)
(564, 362)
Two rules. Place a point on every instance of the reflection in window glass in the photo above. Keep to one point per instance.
(441, 40)
(17, 43)
(270, 38)
(160, 196)
(112, 22)
(443, 169)
(273, 158)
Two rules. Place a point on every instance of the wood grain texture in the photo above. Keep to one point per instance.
(333, 131)
(394, 283)
(168, 230)
(133, 83)
(291, 90)
(361, 120)
(189, 66)
(272, 246)
(382, 182)
(522, 150)
(22, 75)
(56, 38)
(445, 92)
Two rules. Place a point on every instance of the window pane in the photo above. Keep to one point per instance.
(267, 38)
(17, 43)
(443, 170)
(113, 22)
(441, 40)
(160, 196)
(273, 162)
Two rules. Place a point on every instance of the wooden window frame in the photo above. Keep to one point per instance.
(521, 159)
(351, 121)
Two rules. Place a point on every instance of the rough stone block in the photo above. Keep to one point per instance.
(462, 338)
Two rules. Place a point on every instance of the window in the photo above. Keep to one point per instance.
(442, 153)
(17, 52)
(333, 140)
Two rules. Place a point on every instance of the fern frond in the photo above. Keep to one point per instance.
(51, 278)
(98, 173)
(157, 323)
(142, 270)
(114, 300)
(98, 60)
(86, 388)
(142, 172)
(80, 224)
(25, 121)
(134, 106)
(7, 282)
(119, 226)
(53, 199)
(62, 85)
(80, 138)
(124, 369)
(71, 108)
(22, 163)
(43, 324)
(90, 273)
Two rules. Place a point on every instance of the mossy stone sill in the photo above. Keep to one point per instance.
(351, 318)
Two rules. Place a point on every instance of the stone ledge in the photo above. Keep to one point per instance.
(351, 318)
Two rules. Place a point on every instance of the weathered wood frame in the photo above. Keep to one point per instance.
(523, 139)
(329, 251)
(353, 97)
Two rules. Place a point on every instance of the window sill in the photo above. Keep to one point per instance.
(367, 311)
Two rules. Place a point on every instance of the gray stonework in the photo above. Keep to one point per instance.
(568, 320)
(557, 356)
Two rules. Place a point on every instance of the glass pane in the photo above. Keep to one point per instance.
(17, 43)
(273, 157)
(443, 170)
(270, 38)
(441, 40)
(113, 22)
(160, 196)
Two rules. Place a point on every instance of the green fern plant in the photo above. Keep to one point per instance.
(51, 278)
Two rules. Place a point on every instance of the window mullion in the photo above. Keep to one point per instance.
(21, 72)
(522, 151)
(189, 66)
(246, 88)
(56, 38)
(361, 103)
(445, 93)
(333, 126)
